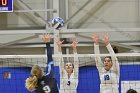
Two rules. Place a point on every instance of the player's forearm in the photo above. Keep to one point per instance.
(98, 60)
(110, 49)
(50, 63)
(61, 61)
(59, 49)
(114, 58)
(97, 51)
(49, 52)
(75, 50)
(76, 64)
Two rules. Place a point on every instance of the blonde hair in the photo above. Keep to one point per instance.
(31, 83)
(36, 71)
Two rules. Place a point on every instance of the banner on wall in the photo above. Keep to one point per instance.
(6, 5)
(126, 85)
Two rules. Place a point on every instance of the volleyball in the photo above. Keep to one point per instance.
(57, 23)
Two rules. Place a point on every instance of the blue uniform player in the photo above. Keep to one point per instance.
(43, 83)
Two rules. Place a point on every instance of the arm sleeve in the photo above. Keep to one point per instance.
(61, 65)
(98, 60)
(56, 90)
(50, 62)
(76, 65)
(115, 66)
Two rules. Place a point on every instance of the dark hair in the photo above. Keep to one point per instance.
(131, 91)
(115, 49)
(108, 57)
(71, 63)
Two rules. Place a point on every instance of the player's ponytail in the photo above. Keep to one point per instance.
(31, 83)
(37, 71)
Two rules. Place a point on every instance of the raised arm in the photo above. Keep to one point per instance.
(76, 60)
(50, 62)
(116, 66)
(61, 61)
(98, 60)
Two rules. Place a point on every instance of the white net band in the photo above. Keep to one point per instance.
(84, 59)
(72, 55)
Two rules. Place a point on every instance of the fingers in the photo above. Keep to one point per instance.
(56, 39)
(105, 38)
(95, 38)
(95, 35)
(59, 43)
(75, 40)
(46, 37)
(46, 34)
(106, 35)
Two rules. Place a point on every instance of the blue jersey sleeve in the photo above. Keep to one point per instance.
(50, 62)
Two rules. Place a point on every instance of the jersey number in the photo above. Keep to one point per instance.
(46, 89)
(106, 77)
(68, 83)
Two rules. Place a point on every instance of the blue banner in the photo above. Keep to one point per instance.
(6, 5)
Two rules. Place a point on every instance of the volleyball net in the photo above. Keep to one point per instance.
(14, 69)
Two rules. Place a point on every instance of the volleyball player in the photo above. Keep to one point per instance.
(109, 70)
(43, 83)
(68, 72)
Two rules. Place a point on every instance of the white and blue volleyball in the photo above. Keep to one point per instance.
(57, 23)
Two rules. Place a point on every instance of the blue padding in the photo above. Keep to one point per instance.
(88, 78)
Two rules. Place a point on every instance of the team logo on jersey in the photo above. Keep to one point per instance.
(46, 89)
(68, 83)
(106, 77)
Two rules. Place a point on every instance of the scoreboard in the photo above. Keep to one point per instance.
(6, 5)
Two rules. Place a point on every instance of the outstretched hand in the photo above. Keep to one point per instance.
(59, 43)
(106, 39)
(95, 38)
(74, 44)
(46, 37)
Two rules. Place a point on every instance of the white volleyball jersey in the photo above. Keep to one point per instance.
(69, 85)
(109, 79)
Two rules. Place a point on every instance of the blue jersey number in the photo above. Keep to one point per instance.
(106, 77)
